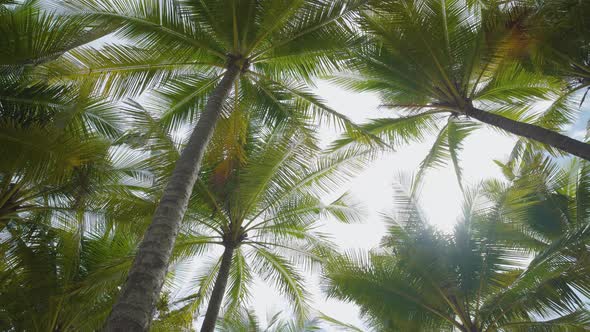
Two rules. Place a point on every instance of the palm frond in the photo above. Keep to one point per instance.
(278, 270)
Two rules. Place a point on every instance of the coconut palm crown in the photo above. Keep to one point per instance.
(262, 207)
(445, 64)
(470, 280)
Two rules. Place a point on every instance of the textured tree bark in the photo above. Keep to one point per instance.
(218, 291)
(135, 306)
(533, 132)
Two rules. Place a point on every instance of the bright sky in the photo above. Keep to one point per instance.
(441, 196)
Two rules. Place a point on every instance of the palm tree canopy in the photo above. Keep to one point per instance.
(434, 60)
(262, 200)
(30, 38)
(247, 321)
(71, 218)
(183, 47)
(556, 37)
(545, 209)
(553, 40)
(470, 280)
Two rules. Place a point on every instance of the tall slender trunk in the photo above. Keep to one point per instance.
(218, 290)
(135, 305)
(533, 132)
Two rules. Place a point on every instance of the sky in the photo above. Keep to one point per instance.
(440, 195)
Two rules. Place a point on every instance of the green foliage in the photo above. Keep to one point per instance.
(263, 200)
(435, 59)
(84, 163)
(180, 48)
(63, 257)
(246, 321)
(30, 36)
(475, 279)
(56, 278)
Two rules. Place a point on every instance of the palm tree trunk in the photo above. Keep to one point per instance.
(135, 306)
(533, 132)
(218, 291)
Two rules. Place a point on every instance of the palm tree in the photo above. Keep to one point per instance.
(42, 164)
(247, 321)
(260, 205)
(553, 40)
(56, 279)
(61, 176)
(544, 205)
(451, 61)
(69, 229)
(255, 49)
(470, 280)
